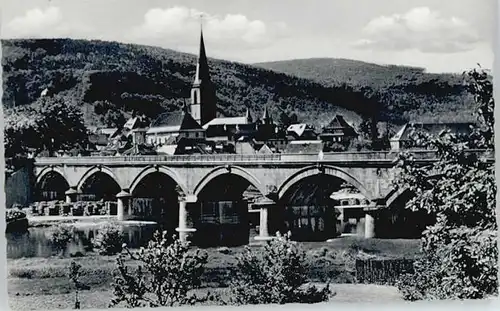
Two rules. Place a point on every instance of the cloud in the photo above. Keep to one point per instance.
(46, 23)
(420, 29)
(177, 26)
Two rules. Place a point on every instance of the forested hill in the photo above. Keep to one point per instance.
(404, 88)
(111, 81)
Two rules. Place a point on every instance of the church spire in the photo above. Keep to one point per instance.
(202, 72)
(203, 97)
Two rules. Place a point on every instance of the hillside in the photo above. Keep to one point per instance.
(111, 81)
(419, 95)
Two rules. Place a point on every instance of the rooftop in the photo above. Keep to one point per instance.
(433, 128)
(226, 121)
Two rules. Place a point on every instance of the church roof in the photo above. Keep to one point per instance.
(173, 121)
(173, 118)
(226, 121)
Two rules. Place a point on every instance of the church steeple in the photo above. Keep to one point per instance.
(202, 70)
(203, 99)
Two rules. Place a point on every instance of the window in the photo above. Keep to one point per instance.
(197, 134)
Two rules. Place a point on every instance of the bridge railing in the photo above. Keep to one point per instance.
(161, 158)
(230, 158)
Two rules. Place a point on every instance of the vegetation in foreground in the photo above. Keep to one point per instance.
(33, 282)
(460, 254)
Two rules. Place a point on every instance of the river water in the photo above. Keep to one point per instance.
(36, 242)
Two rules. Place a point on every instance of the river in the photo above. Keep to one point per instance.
(36, 241)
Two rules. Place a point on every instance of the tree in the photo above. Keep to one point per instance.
(460, 252)
(285, 120)
(48, 124)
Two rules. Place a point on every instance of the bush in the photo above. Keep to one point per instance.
(464, 267)
(165, 275)
(109, 239)
(61, 235)
(277, 275)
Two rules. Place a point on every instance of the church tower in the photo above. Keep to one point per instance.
(203, 98)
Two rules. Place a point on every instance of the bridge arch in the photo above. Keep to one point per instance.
(328, 170)
(234, 170)
(47, 170)
(161, 169)
(395, 194)
(97, 169)
(51, 184)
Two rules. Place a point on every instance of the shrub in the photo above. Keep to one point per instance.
(61, 235)
(165, 275)
(276, 275)
(109, 239)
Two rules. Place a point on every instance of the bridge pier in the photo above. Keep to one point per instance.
(264, 206)
(71, 194)
(186, 227)
(369, 226)
(123, 203)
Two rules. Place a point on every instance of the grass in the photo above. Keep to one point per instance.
(35, 282)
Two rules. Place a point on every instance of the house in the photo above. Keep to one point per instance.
(337, 135)
(301, 131)
(402, 139)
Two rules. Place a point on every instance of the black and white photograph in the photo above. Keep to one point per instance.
(206, 153)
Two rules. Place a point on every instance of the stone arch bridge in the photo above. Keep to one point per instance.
(272, 175)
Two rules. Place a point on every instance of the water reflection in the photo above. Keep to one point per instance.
(36, 242)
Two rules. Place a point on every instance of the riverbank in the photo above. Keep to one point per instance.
(43, 282)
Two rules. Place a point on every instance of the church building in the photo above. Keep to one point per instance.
(199, 124)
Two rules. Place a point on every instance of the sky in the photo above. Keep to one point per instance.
(441, 36)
